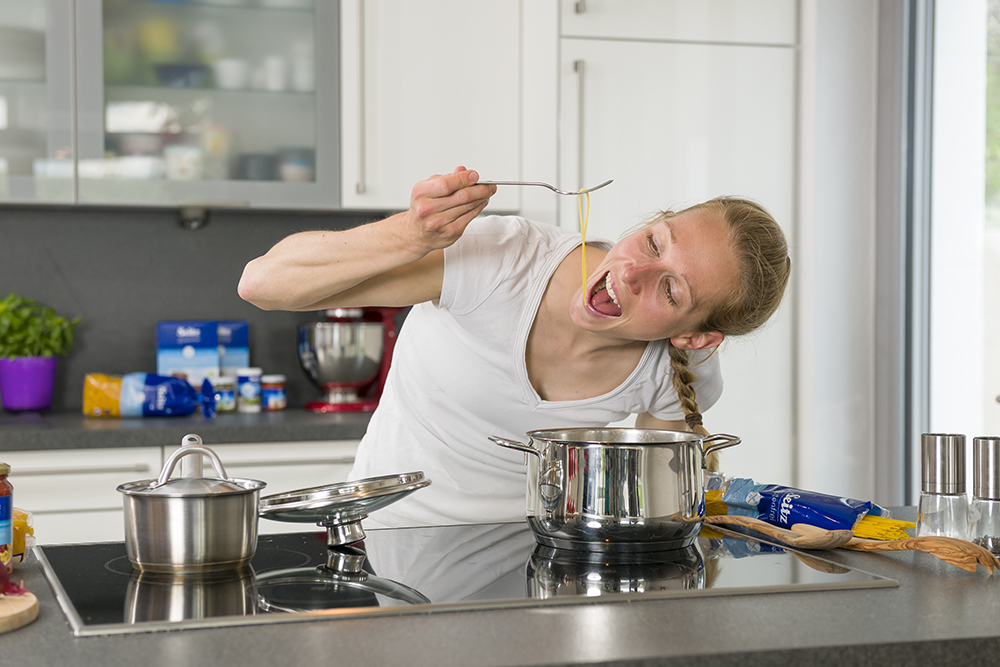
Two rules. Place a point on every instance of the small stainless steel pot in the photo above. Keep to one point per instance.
(191, 524)
(616, 489)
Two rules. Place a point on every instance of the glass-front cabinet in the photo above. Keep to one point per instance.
(180, 102)
(36, 99)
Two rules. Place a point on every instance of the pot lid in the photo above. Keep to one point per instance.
(341, 502)
(192, 486)
(199, 486)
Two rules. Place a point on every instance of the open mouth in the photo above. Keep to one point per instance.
(603, 299)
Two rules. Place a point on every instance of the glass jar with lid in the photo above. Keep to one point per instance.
(6, 519)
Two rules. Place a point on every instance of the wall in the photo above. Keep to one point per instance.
(834, 250)
(123, 270)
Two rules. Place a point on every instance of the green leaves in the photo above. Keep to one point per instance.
(28, 329)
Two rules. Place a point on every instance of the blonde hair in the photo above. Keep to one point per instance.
(763, 266)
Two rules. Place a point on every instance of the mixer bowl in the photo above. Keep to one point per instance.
(341, 354)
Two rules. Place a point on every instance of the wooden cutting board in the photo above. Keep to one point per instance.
(17, 611)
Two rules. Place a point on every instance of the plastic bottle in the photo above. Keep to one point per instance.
(944, 504)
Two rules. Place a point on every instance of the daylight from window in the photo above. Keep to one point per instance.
(992, 222)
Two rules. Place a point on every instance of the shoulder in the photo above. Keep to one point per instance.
(504, 229)
(501, 243)
(499, 253)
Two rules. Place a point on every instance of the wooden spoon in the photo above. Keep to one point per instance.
(959, 553)
(825, 539)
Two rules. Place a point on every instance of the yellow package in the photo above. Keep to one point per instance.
(100, 395)
(24, 534)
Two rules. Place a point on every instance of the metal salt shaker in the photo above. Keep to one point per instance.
(984, 514)
(944, 505)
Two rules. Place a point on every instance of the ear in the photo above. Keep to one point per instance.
(698, 341)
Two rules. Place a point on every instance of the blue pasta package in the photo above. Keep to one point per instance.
(785, 506)
(148, 395)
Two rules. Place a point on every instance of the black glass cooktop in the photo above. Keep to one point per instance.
(296, 577)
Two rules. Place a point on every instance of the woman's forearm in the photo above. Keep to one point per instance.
(305, 269)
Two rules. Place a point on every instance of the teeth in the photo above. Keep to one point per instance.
(611, 292)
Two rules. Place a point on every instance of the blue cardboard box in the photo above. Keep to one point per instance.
(234, 346)
(188, 349)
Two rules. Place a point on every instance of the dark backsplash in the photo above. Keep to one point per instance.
(123, 270)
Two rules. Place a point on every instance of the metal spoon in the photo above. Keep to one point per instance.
(546, 185)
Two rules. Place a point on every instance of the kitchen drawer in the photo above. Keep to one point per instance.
(73, 527)
(78, 479)
(719, 21)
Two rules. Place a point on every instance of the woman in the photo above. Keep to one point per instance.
(503, 338)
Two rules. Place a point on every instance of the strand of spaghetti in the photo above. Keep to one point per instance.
(583, 236)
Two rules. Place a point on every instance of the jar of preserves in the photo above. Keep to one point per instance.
(248, 389)
(225, 394)
(272, 392)
(6, 519)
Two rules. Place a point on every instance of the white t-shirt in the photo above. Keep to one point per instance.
(458, 375)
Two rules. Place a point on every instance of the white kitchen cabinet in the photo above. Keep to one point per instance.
(72, 493)
(676, 123)
(286, 466)
(426, 86)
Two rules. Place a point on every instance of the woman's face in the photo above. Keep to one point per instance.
(660, 281)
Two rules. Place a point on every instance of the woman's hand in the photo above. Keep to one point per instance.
(441, 207)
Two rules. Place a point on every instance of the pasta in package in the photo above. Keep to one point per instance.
(784, 506)
(144, 395)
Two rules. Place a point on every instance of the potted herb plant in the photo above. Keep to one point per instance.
(32, 337)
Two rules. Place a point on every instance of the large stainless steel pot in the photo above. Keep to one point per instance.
(191, 524)
(616, 489)
(556, 573)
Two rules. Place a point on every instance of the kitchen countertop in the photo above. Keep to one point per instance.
(939, 615)
(39, 431)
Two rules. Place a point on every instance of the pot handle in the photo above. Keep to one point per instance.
(723, 442)
(514, 444)
(168, 467)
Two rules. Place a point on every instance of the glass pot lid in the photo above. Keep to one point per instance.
(341, 507)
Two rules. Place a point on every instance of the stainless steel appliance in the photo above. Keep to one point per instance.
(418, 570)
(347, 356)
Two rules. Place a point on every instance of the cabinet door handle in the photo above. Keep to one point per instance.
(360, 186)
(97, 470)
(579, 69)
(344, 460)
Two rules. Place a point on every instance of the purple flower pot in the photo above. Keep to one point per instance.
(26, 382)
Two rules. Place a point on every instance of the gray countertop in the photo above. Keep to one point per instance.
(939, 615)
(38, 431)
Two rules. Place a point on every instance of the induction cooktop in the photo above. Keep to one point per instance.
(296, 577)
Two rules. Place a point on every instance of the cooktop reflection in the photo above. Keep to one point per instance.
(296, 577)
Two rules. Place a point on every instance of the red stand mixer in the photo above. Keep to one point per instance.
(347, 356)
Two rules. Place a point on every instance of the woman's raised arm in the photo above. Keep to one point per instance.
(397, 261)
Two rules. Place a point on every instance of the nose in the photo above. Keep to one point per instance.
(636, 274)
